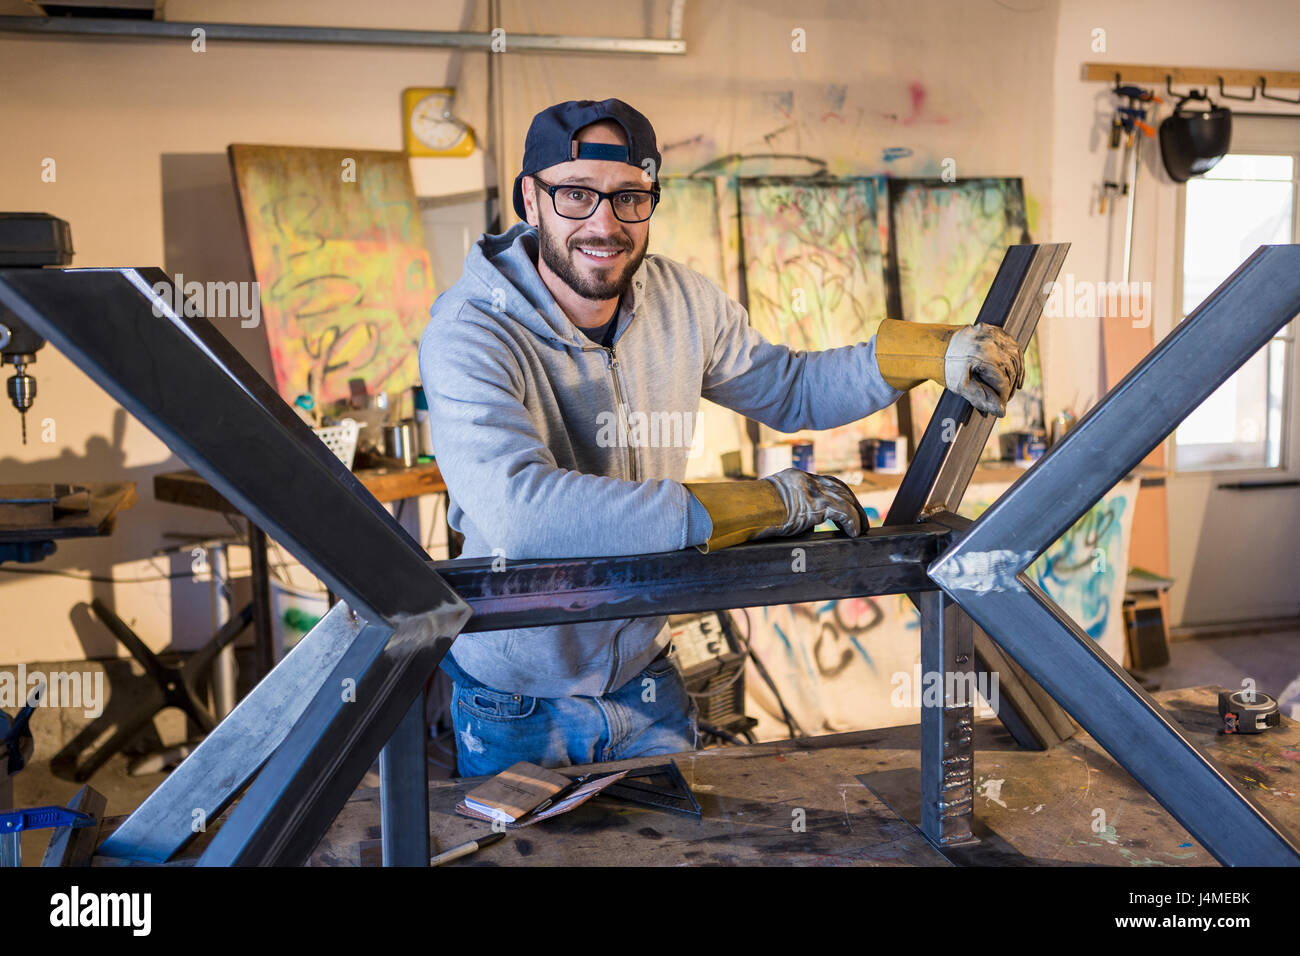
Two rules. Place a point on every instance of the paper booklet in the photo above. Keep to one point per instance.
(526, 794)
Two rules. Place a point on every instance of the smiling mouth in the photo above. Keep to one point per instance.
(598, 254)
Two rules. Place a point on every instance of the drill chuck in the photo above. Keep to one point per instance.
(22, 387)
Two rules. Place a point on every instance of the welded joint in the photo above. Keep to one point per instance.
(981, 572)
(428, 626)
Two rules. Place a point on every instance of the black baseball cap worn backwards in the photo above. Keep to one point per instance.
(550, 140)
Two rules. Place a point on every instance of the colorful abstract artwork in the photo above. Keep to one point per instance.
(695, 224)
(688, 225)
(814, 279)
(855, 664)
(950, 239)
(338, 252)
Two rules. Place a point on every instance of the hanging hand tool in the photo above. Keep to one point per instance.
(1132, 118)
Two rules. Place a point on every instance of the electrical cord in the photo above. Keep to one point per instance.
(791, 724)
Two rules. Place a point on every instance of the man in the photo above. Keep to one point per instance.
(559, 327)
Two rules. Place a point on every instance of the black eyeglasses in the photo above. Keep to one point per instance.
(581, 202)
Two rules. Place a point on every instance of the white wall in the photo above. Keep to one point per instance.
(138, 130)
(1250, 34)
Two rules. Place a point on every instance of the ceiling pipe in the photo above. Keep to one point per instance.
(257, 33)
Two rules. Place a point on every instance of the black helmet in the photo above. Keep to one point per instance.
(1193, 142)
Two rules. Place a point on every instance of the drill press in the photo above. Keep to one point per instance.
(27, 240)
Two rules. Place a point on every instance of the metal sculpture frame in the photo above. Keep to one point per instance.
(351, 689)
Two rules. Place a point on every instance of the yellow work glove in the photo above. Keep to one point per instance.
(789, 502)
(981, 363)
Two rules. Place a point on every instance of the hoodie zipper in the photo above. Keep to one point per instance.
(622, 409)
(631, 452)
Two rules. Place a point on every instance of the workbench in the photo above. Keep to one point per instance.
(1070, 805)
(386, 484)
(28, 532)
(294, 749)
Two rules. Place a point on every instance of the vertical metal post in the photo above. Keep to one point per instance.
(223, 667)
(11, 851)
(947, 724)
(263, 652)
(404, 792)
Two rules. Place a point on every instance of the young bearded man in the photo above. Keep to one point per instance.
(559, 327)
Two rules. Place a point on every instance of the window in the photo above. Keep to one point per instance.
(1245, 201)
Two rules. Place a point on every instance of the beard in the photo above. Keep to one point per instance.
(560, 259)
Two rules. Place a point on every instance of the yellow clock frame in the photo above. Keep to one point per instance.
(413, 98)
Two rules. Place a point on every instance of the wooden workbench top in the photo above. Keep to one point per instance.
(27, 522)
(386, 484)
(1031, 808)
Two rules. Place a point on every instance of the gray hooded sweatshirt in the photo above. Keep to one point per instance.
(553, 446)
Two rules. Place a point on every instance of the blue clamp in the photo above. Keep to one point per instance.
(42, 818)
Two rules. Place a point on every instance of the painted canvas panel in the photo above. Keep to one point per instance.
(814, 277)
(687, 225)
(950, 239)
(855, 664)
(695, 224)
(338, 252)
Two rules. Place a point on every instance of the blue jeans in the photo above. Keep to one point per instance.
(649, 715)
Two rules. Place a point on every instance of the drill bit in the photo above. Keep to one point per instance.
(23, 416)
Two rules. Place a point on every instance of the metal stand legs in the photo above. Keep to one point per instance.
(947, 721)
(404, 792)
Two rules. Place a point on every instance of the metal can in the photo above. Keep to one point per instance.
(802, 455)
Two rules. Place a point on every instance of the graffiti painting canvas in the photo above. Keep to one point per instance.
(950, 239)
(338, 253)
(814, 279)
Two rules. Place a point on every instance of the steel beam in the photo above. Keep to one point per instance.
(947, 726)
(404, 791)
(947, 455)
(260, 456)
(186, 383)
(984, 570)
(298, 793)
(821, 566)
(956, 435)
(195, 793)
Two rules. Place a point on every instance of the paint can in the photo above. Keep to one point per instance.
(1022, 447)
(883, 455)
(801, 454)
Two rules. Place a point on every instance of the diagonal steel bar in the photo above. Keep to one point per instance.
(185, 382)
(945, 460)
(982, 571)
(288, 808)
(198, 790)
(947, 454)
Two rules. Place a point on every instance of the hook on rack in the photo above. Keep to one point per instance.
(1263, 91)
(1231, 96)
(1192, 94)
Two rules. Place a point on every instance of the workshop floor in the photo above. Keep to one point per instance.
(1273, 660)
